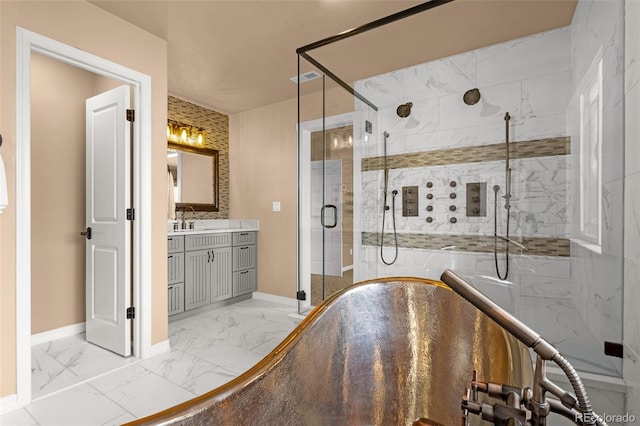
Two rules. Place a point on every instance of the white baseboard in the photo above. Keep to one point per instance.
(289, 301)
(160, 348)
(58, 333)
(8, 403)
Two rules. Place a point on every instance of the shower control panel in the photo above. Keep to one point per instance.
(476, 199)
(409, 201)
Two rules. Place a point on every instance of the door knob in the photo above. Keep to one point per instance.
(87, 233)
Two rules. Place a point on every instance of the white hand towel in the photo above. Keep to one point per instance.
(4, 198)
(171, 200)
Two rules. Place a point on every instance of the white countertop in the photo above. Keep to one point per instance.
(210, 231)
(215, 226)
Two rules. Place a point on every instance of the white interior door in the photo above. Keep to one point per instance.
(326, 217)
(108, 273)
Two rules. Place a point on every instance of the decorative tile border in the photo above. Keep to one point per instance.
(538, 246)
(472, 154)
(217, 127)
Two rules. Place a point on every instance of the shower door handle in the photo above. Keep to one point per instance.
(335, 216)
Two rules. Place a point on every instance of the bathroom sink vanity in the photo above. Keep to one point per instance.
(206, 267)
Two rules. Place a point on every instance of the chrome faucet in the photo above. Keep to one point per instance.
(184, 213)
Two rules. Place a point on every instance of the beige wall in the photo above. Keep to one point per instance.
(57, 155)
(263, 168)
(58, 213)
(88, 28)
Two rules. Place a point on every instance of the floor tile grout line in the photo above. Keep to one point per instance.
(112, 400)
(268, 317)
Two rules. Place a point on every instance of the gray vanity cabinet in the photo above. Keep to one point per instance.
(245, 258)
(210, 267)
(175, 273)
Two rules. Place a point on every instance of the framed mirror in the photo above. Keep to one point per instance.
(195, 176)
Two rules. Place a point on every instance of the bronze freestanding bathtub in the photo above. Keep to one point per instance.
(383, 352)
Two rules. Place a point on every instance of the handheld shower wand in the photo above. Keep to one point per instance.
(507, 206)
(507, 165)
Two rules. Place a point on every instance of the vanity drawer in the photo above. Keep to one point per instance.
(206, 241)
(241, 238)
(244, 257)
(245, 282)
(175, 244)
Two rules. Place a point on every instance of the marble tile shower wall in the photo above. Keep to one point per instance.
(535, 79)
(531, 79)
(631, 333)
(597, 31)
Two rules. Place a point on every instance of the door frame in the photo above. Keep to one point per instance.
(28, 42)
(304, 202)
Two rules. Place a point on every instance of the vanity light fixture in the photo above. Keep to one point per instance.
(185, 134)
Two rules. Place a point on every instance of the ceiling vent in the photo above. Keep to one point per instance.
(307, 76)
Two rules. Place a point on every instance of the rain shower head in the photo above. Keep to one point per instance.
(471, 97)
(404, 110)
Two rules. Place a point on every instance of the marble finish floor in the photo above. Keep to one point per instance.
(76, 383)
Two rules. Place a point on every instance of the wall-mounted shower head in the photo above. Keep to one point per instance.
(471, 97)
(404, 110)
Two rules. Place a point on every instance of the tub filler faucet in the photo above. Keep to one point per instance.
(528, 406)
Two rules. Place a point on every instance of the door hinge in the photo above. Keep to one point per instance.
(131, 115)
(131, 312)
(301, 295)
(131, 214)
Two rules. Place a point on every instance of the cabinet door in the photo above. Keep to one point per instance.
(221, 278)
(176, 298)
(197, 278)
(175, 262)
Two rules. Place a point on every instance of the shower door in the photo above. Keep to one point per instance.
(326, 217)
(326, 210)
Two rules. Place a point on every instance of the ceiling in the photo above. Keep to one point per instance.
(237, 55)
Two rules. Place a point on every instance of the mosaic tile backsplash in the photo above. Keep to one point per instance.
(217, 127)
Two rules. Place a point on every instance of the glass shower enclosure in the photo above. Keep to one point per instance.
(502, 162)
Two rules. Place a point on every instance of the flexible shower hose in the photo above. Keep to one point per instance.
(395, 234)
(584, 405)
(495, 236)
